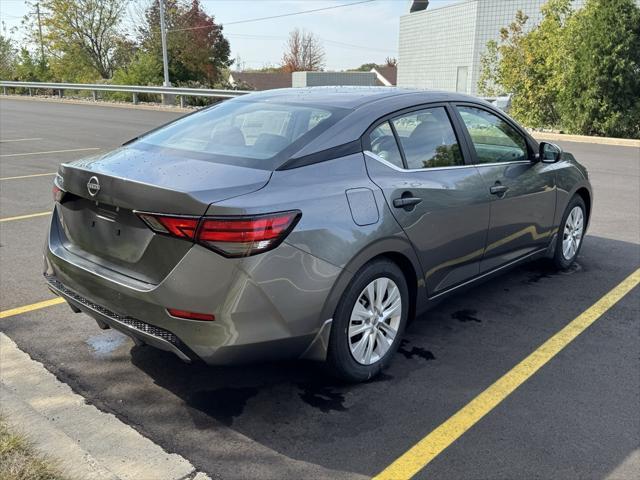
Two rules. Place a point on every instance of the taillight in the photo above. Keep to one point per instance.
(57, 190)
(239, 236)
(58, 193)
(181, 227)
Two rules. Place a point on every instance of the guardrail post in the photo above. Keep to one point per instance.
(168, 99)
(95, 95)
(61, 93)
(30, 92)
(4, 90)
(181, 101)
(135, 98)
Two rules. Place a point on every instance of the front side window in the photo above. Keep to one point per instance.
(251, 132)
(428, 139)
(383, 143)
(493, 138)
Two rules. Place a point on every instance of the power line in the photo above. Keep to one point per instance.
(278, 16)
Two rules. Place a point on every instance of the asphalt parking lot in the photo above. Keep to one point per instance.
(576, 417)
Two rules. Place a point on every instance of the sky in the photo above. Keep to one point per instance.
(351, 35)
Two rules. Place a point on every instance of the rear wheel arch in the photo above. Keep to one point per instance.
(397, 250)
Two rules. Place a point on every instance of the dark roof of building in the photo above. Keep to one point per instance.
(389, 72)
(418, 5)
(263, 80)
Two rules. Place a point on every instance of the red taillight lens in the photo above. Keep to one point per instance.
(229, 236)
(174, 312)
(243, 236)
(181, 227)
(58, 193)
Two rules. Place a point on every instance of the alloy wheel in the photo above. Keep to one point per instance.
(375, 320)
(572, 235)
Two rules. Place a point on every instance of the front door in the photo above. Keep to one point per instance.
(522, 189)
(439, 200)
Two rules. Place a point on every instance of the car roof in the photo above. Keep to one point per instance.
(351, 97)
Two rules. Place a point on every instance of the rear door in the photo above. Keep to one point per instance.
(438, 198)
(522, 189)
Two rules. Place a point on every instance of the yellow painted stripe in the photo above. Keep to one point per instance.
(50, 151)
(419, 456)
(28, 176)
(24, 217)
(30, 308)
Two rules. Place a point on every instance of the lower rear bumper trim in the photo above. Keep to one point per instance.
(139, 330)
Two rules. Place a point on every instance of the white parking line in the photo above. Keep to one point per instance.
(28, 176)
(20, 140)
(50, 151)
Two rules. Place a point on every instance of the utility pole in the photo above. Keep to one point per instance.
(40, 34)
(163, 34)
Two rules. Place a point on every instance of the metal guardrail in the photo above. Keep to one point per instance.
(166, 92)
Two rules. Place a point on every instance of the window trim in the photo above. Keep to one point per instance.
(531, 147)
(458, 130)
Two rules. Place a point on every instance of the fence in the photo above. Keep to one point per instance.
(166, 92)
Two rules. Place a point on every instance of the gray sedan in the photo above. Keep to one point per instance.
(307, 223)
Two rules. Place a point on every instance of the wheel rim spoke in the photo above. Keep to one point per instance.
(388, 329)
(369, 349)
(360, 347)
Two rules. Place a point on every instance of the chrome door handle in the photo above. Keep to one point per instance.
(405, 202)
(498, 189)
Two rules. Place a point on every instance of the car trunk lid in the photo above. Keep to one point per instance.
(97, 212)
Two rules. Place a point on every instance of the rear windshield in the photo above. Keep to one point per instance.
(252, 134)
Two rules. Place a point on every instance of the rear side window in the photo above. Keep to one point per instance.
(383, 144)
(428, 139)
(493, 138)
(252, 132)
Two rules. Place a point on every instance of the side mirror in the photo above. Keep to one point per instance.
(549, 152)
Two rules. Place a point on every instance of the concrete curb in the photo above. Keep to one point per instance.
(85, 442)
(621, 142)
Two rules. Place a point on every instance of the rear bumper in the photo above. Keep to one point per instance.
(266, 307)
(138, 330)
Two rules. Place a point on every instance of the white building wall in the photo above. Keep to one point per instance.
(434, 43)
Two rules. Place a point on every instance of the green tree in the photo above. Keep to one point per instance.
(601, 94)
(30, 69)
(579, 71)
(7, 58)
(528, 65)
(80, 35)
(197, 49)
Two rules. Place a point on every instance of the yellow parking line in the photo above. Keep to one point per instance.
(423, 452)
(50, 151)
(24, 217)
(28, 176)
(31, 308)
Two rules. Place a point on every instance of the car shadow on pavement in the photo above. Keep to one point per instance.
(447, 357)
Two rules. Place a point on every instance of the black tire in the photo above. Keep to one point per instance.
(559, 259)
(340, 361)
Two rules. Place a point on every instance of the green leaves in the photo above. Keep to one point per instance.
(576, 71)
